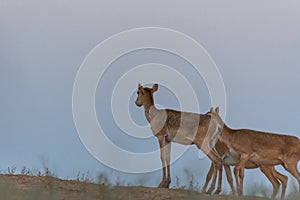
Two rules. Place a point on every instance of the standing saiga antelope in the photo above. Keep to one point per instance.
(261, 148)
(175, 126)
(230, 158)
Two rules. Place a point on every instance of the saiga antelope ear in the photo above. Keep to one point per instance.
(140, 86)
(154, 88)
(217, 110)
(211, 109)
(219, 129)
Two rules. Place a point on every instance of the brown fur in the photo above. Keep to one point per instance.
(262, 148)
(175, 126)
(270, 172)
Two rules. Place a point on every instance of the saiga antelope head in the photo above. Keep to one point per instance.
(145, 94)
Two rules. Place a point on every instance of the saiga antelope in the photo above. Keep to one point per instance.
(175, 126)
(231, 159)
(261, 148)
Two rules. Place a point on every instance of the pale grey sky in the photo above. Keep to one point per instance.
(255, 44)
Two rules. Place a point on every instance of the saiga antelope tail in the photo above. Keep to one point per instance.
(298, 150)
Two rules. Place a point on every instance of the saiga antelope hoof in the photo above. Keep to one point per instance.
(218, 191)
(164, 184)
(208, 192)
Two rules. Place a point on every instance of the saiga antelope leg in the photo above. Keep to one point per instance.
(208, 177)
(292, 168)
(268, 171)
(163, 158)
(283, 179)
(215, 159)
(213, 182)
(168, 159)
(220, 174)
(229, 178)
(217, 166)
(239, 173)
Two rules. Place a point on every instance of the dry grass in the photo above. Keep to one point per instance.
(24, 187)
(30, 185)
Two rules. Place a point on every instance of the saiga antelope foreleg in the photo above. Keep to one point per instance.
(217, 166)
(239, 173)
(213, 182)
(208, 177)
(220, 174)
(229, 178)
(165, 150)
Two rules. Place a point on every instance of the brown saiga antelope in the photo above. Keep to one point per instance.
(231, 159)
(261, 148)
(175, 126)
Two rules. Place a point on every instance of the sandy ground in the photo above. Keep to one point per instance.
(17, 187)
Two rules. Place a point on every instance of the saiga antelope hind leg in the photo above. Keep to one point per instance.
(268, 171)
(292, 168)
(283, 179)
(273, 175)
